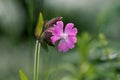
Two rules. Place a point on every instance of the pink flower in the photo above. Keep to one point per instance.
(66, 36)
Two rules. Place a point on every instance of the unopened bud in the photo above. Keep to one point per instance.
(47, 36)
(51, 22)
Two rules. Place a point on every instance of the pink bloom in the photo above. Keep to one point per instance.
(66, 36)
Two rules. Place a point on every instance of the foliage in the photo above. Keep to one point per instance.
(97, 61)
(22, 75)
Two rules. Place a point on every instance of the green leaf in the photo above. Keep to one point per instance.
(22, 75)
(38, 29)
(83, 42)
(102, 39)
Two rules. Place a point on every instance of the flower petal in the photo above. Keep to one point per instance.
(60, 24)
(73, 32)
(54, 39)
(70, 44)
(62, 46)
(73, 39)
(58, 28)
(69, 27)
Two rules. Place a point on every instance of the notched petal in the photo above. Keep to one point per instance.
(73, 32)
(62, 46)
(73, 39)
(69, 27)
(60, 24)
(54, 39)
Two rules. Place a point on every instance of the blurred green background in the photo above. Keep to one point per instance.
(95, 57)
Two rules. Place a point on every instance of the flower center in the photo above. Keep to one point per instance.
(64, 35)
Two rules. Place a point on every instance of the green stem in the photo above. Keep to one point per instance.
(36, 60)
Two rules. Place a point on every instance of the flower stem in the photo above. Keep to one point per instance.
(36, 60)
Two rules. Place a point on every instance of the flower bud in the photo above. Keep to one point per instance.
(47, 36)
(51, 22)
